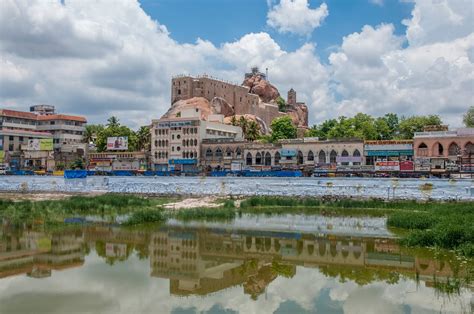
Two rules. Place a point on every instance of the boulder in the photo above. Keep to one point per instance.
(221, 106)
(261, 87)
(298, 114)
(191, 103)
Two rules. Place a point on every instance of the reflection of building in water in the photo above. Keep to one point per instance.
(37, 254)
(201, 261)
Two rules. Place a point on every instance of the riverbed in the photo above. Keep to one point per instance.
(387, 188)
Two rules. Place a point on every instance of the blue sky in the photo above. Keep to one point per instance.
(221, 21)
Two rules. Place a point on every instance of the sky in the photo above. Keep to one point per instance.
(100, 58)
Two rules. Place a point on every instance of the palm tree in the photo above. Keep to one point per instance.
(233, 121)
(253, 131)
(113, 122)
(243, 124)
(143, 138)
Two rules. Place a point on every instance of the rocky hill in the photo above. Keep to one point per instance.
(263, 113)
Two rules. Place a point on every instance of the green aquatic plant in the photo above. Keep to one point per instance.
(144, 216)
(217, 213)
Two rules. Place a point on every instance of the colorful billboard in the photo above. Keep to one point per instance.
(40, 144)
(387, 166)
(407, 165)
(46, 144)
(117, 143)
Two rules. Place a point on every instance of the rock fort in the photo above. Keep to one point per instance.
(255, 99)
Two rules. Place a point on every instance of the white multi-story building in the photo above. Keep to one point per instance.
(18, 128)
(176, 142)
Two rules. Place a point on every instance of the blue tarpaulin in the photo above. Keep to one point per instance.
(75, 174)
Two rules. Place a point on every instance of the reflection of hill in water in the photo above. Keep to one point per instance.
(202, 260)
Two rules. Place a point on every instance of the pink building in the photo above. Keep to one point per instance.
(443, 150)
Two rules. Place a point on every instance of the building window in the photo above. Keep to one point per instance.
(11, 138)
(344, 154)
(438, 149)
(453, 149)
(299, 158)
(228, 152)
(219, 152)
(469, 148)
(258, 159)
(310, 156)
(356, 154)
(249, 159)
(333, 157)
(277, 158)
(268, 159)
(208, 153)
(322, 157)
(238, 152)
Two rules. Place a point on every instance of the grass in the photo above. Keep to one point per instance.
(141, 210)
(217, 213)
(144, 216)
(57, 210)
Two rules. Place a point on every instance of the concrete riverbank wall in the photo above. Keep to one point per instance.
(200, 186)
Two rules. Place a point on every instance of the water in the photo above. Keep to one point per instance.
(254, 264)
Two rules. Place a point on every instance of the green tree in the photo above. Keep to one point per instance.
(233, 121)
(91, 131)
(321, 131)
(113, 122)
(468, 118)
(114, 128)
(283, 128)
(77, 164)
(393, 124)
(252, 131)
(143, 138)
(281, 104)
(408, 126)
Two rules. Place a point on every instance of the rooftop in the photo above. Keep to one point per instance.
(39, 117)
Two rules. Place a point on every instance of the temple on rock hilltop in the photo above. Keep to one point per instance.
(255, 99)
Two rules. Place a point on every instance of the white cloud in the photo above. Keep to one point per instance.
(112, 58)
(439, 21)
(295, 16)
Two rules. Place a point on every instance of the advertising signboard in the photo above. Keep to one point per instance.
(117, 143)
(288, 152)
(236, 166)
(387, 166)
(2, 156)
(407, 165)
(348, 159)
(422, 164)
(40, 144)
(33, 144)
(46, 144)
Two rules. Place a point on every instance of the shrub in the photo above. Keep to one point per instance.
(411, 220)
(145, 216)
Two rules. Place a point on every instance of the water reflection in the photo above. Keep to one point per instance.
(202, 261)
